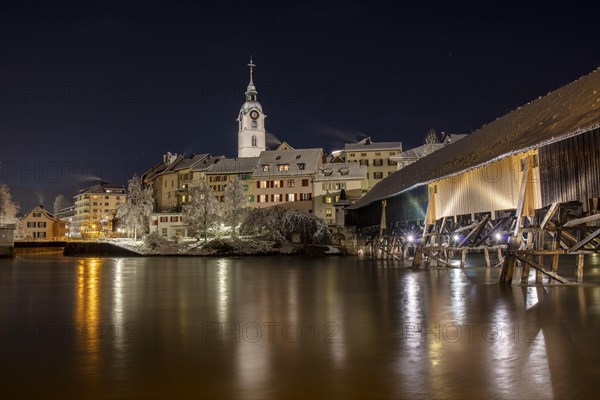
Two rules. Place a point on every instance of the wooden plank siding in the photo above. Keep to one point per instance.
(492, 187)
(570, 169)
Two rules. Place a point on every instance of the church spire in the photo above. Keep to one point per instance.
(251, 90)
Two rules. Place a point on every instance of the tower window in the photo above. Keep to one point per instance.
(253, 140)
(254, 124)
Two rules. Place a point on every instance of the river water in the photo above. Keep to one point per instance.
(277, 328)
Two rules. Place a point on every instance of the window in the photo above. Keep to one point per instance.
(364, 162)
(95, 203)
(283, 167)
(105, 197)
(352, 155)
(391, 162)
(254, 125)
(174, 219)
(327, 199)
(253, 140)
(304, 182)
(304, 196)
(164, 219)
(262, 198)
(389, 173)
(265, 168)
(37, 215)
(290, 183)
(262, 184)
(363, 154)
(278, 158)
(290, 197)
(277, 184)
(378, 162)
(276, 198)
(164, 231)
(377, 175)
(298, 156)
(328, 212)
(301, 166)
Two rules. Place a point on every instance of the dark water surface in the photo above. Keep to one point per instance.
(276, 328)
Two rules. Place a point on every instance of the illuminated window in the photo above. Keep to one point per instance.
(283, 167)
(328, 212)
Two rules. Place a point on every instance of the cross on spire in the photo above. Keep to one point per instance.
(251, 65)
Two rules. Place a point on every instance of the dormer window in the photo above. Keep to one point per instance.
(283, 167)
(278, 157)
(265, 168)
(301, 166)
(298, 156)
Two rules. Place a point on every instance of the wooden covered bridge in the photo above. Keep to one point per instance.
(522, 190)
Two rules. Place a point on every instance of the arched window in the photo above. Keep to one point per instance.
(253, 140)
(254, 124)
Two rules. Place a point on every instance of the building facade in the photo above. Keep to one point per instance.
(39, 224)
(95, 209)
(375, 156)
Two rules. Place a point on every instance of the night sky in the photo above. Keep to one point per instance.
(102, 90)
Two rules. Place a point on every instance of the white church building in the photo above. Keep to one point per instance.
(251, 120)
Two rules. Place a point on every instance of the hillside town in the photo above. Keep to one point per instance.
(303, 179)
(498, 191)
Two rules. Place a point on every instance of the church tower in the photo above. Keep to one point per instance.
(251, 123)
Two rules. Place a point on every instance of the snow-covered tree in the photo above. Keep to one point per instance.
(235, 204)
(201, 212)
(280, 225)
(310, 228)
(432, 137)
(8, 208)
(136, 210)
(59, 203)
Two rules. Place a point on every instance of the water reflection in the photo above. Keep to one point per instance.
(87, 317)
(381, 332)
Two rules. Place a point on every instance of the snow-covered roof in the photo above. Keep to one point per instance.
(417, 152)
(190, 162)
(368, 145)
(206, 163)
(341, 171)
(299, 162)
(103, 188)
(234, 165)
(43, 211)
(568, 111)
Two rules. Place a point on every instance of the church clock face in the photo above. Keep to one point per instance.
(254, 114)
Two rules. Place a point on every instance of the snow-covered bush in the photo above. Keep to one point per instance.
(154, 241)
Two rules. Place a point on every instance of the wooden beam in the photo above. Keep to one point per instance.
(543, 271)
(464, 228)
(585, 241)
(475, 232)
(522, 195)
(549, 215)
(583, 220)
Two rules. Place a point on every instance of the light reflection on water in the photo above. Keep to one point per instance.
(289, 328)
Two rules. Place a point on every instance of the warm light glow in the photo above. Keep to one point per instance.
(456, 237)
(498, 236)
(410, 238)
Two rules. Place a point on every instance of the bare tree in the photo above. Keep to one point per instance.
(201, 213)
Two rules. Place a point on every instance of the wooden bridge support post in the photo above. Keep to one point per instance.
(580, 260)
(486, 254)
(463, 257)
(510, 259)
